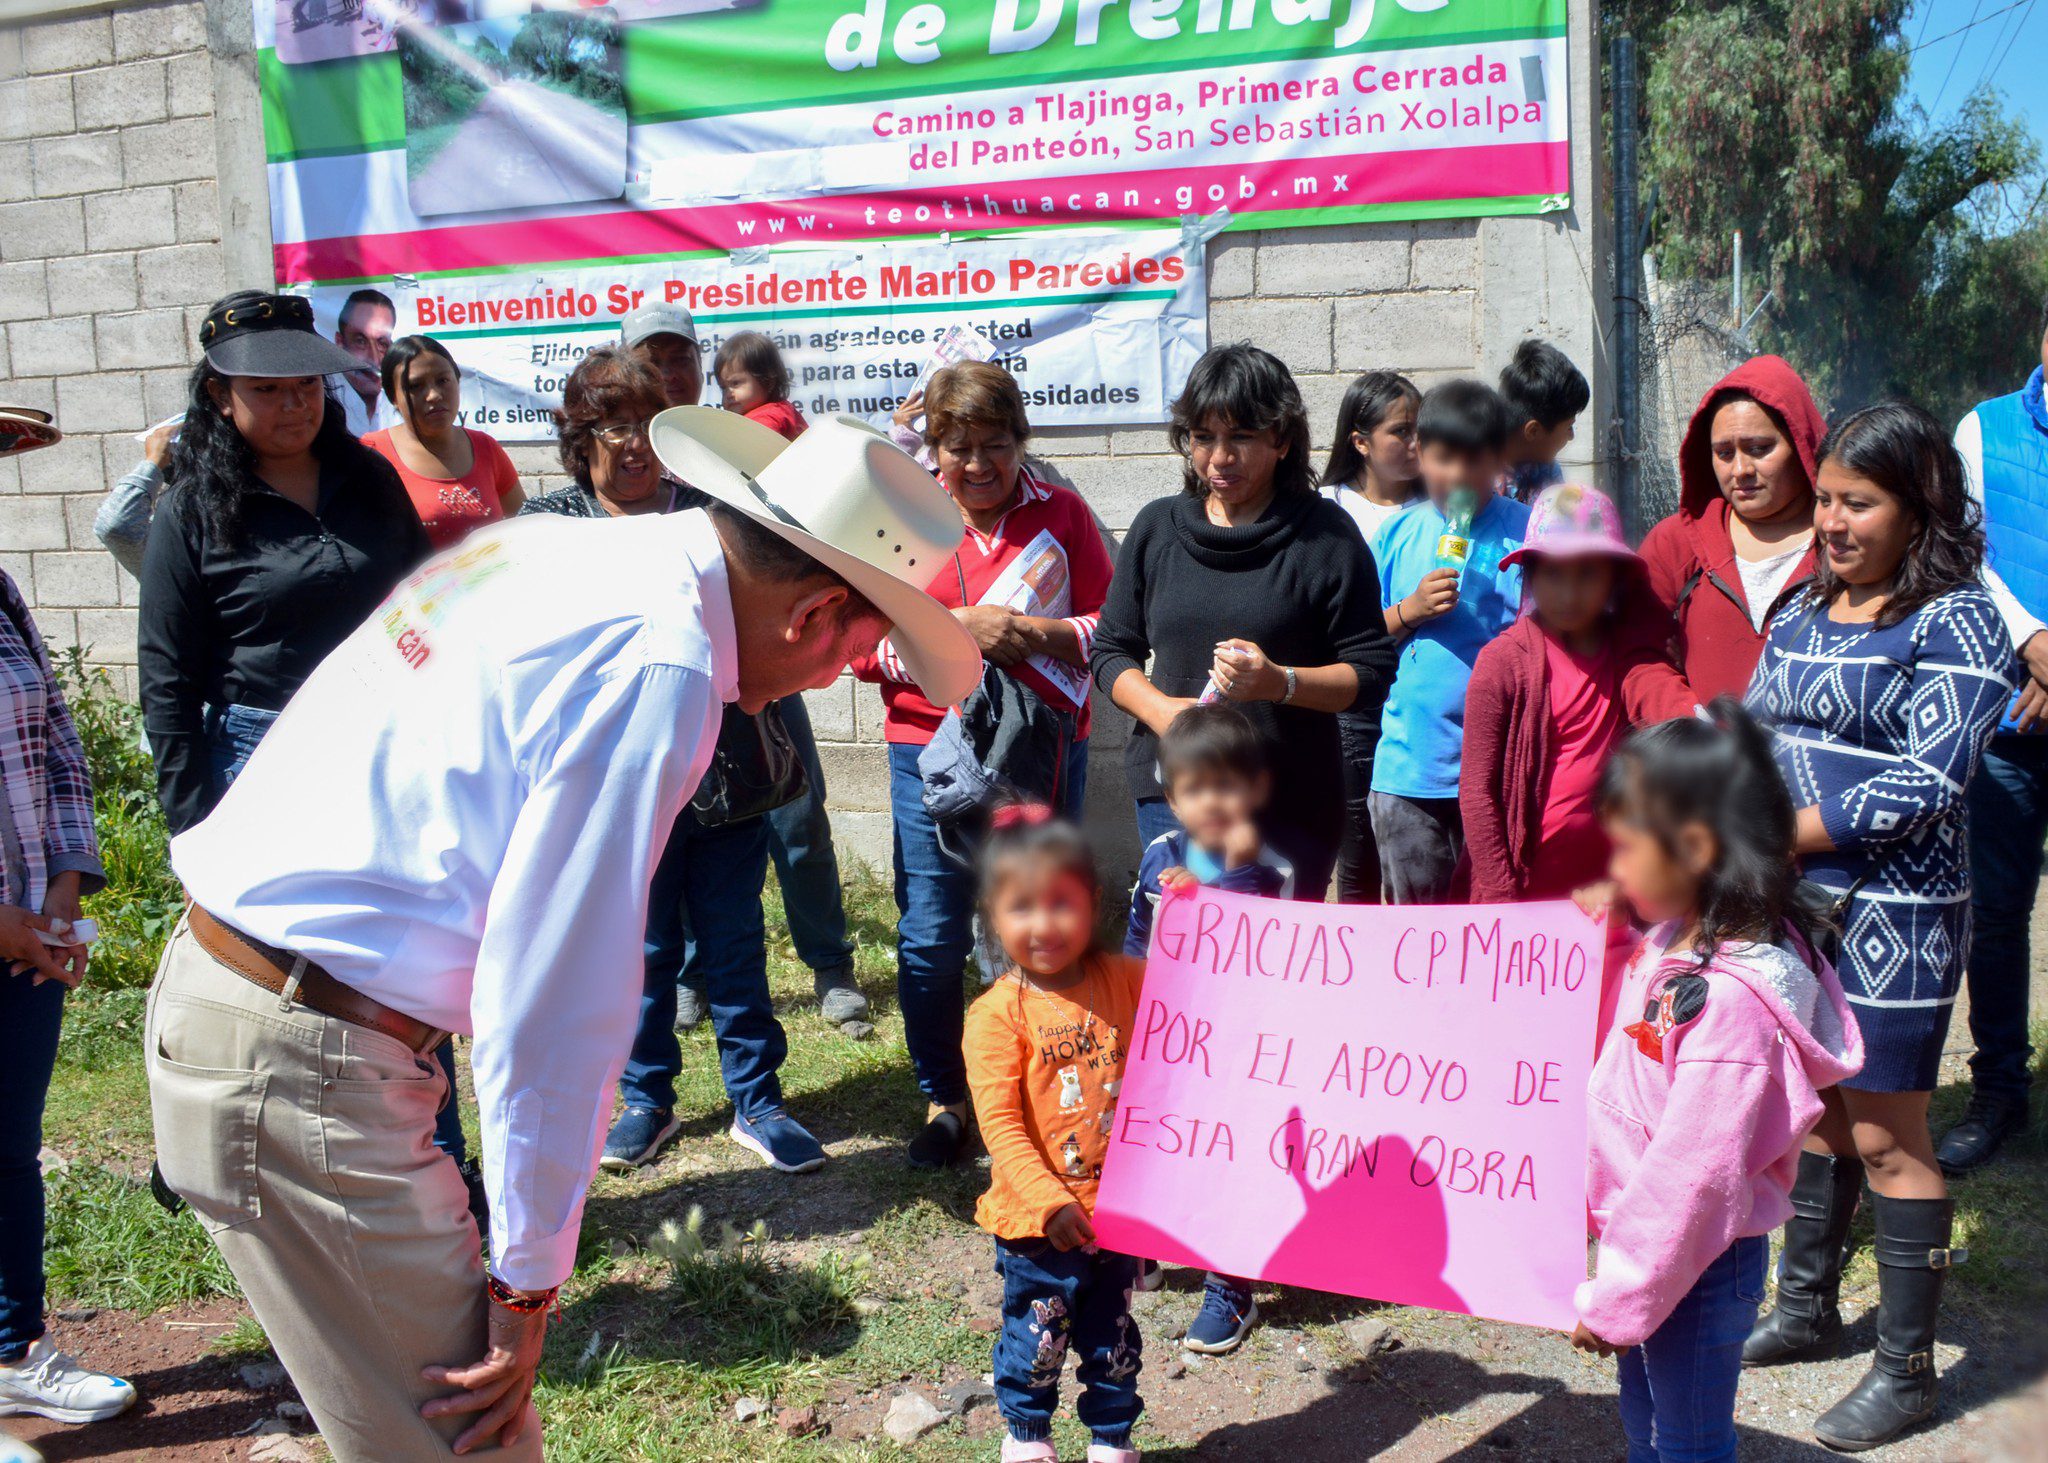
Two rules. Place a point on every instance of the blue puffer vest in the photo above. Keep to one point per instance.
(2016, 491)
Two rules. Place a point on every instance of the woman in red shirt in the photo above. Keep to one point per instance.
(458, 479)
(976, 428)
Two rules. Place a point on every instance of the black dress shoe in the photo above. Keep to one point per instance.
(939, 1144)
(1986, 1124)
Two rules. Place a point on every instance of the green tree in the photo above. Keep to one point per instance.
(1786, 119)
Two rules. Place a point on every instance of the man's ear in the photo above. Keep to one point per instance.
(814, 605)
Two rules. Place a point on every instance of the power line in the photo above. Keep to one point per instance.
(2026, 16)
(1974, 21)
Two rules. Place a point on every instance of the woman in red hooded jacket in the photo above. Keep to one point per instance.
(1743, 532)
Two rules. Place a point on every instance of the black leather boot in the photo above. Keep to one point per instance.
(1973, 1142)
(1899, 1390)
(1805, 1323)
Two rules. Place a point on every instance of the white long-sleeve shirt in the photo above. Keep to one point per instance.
(2020, 622)
(460, 812)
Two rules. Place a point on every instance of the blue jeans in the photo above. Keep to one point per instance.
(935, 902)
(704, 916)
(1053, 1299)
(800, 842)
(2008, 804)
(29, 1017)
(1678, 1387)
(1155, 820)
(448, 1135)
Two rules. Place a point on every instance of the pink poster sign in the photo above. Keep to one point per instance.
(1383, 1102)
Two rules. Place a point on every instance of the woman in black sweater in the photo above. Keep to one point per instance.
(279, 536)
(1251, 578)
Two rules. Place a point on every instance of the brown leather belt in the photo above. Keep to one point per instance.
(271, 968)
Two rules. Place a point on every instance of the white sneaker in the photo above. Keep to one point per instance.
(53, 1385)
(14, 1450)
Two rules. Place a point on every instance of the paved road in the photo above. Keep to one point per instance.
(525, 147)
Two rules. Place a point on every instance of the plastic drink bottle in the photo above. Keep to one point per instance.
(1454, 544)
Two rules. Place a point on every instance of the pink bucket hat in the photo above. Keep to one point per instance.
(1572, 521)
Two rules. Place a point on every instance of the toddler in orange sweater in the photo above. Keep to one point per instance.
(1045, 1057)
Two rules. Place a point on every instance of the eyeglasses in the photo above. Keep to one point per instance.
(618, 434)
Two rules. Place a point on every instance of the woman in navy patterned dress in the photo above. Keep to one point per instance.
(1882, 685)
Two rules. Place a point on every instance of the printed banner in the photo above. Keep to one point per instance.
(1100, 326)
(441, 140)
(1383, 1102)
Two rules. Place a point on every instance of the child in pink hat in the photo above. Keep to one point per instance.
(1551, 697)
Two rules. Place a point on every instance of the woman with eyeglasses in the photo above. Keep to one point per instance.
(458, 478)
(280, 534)
(601, 434)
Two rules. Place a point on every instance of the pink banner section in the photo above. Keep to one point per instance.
(1383, 1102)
(1504, 170)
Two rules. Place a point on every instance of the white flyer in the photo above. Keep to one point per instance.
(1037, 582)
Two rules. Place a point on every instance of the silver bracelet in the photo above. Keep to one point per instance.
(1293, 682)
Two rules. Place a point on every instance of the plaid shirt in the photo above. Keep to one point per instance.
(47, 827)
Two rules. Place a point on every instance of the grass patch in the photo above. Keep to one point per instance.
(109, 1243)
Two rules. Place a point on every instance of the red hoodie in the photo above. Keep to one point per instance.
(1690, 556)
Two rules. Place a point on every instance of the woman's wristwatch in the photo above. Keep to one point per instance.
(1293, 683)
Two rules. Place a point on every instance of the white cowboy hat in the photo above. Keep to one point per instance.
(24, 428)
(853, 501)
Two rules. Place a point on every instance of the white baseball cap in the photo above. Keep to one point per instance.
(854, 501)
(658, 319)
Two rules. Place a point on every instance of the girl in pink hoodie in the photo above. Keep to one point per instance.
(1730, 1026)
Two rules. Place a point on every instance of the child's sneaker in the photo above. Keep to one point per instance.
(1228, 1311)
(1104, 1453)
(1016, 1450)
(50, 1384)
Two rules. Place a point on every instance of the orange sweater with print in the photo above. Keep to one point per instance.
(1044, 1069)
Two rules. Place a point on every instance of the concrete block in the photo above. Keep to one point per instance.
(10, 475)
(862, 840)
(169, 152)
(1351, 259)
(59, 629)
(159, 30)
(28, 523)
(1446, 255)
(164, 393)
(183, 274)
(868, 712)
(1322, 395)
(1139, 442)
(97, 282)
(46, 228)
(67, 45)
(60, 347)
(120, 96)
(108, 402)
(108, 635)
(1117, 487)
(1406, 332)
(1297, 331)
(76, 580)
(16, 180)
(76, 469)
(39, 392)
(1068, 442)
(131, 590)
(135, 218)
(831, 712)
(85, 162)
(141, 339)
(189, 89)
(198, 209)
(36, 106)
(1231, 259)
(23, 293)
(858, 776)
(18, 568)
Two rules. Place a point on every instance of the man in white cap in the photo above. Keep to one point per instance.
(665, 336)
(453, 827)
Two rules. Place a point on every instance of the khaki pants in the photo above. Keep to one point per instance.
(305, 1146)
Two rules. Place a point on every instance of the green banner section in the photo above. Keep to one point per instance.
(788, 53)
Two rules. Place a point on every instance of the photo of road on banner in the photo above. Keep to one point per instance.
(525, 110)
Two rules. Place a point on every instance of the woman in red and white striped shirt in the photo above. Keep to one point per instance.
(976, 429)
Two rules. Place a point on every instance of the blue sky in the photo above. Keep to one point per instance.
(2010, 46)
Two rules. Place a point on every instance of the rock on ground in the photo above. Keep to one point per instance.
(911, 1415)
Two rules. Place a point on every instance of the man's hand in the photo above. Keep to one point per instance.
(1585, 1340)
(1069, 1229)
(1163, 711)
(2030, 707)
(1436, 595)
(500, 1386)
(21, 946)
(1000, 632)
(157, 445)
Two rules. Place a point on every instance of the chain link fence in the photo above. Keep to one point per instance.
(1687, 345)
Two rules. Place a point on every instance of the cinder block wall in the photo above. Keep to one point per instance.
(126, 135)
